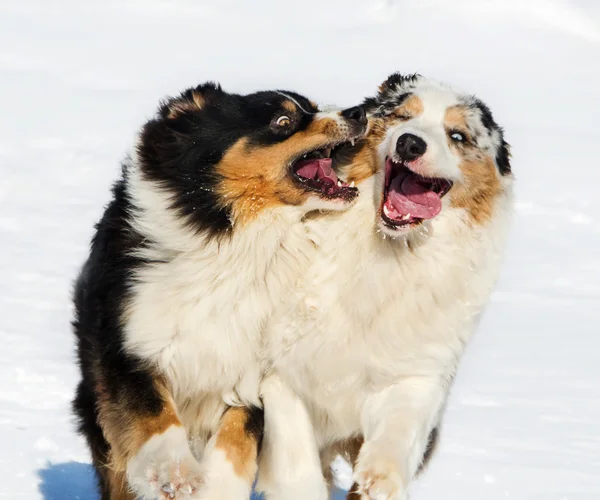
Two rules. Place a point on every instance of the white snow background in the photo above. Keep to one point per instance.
(77, 78)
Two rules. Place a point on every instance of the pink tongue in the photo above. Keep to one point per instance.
(316, 169)
(410, 195)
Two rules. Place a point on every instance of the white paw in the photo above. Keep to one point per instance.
(379, 479)
(177, 478)
(165, 468)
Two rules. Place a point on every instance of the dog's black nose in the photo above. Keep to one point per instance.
(409, 147)
(357, 114)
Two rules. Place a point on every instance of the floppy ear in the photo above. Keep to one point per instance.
(394, 81)
(190, 100)
(179, 137)
(387, 90)
(503, 158)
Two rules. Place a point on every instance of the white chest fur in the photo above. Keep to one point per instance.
(371, 312)
(198, 314)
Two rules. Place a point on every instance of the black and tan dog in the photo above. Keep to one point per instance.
(201, 240)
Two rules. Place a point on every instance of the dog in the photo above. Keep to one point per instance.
(364, 353)
(202, 238)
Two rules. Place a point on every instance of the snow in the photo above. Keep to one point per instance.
(76, 80)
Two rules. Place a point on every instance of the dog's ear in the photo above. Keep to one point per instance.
(390, 91)
(191, 100)
(487, 120)
(178, 133)
(394, 82)
(503, 158)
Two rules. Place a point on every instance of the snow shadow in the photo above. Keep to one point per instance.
(68, 481)
(77, 481)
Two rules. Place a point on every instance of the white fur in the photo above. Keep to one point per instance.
(289, 466)
(197, 314)
(164, 465)
(372, 337)
(438, 160)
(220, 479)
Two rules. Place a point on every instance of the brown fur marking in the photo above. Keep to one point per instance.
(480, 189)
(456, 119)
(118, 487)
(126, 432)
(240, 446)
(290, 106)
(365, 161)
(481, 184)
(412, 106)
(257, 178)
(351, 450)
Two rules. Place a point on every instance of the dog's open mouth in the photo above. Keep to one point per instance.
(409, 198)
(315, 171)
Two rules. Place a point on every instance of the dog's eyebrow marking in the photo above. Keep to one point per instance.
(295, 102)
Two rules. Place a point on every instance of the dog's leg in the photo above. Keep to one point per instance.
(290, 466)
(397, 423)
(148, 445)
(350, 452)
(352, 448)
(229, 461)
(347, 449)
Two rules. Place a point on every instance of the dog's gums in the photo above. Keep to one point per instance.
(409, 198)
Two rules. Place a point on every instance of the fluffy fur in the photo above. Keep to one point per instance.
(201, 240)
(372, 337)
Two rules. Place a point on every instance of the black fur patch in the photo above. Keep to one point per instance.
(432, 442)
(396, 80)
(99, 295)
(255, 425)
(503, 154)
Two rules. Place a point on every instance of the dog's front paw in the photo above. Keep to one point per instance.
(379, 478)
(165, 469)
(174, 478)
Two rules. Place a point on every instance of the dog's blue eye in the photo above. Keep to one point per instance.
(457, 137)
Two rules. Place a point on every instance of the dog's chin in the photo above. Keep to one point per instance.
(391, 230)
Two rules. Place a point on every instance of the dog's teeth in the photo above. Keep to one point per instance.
(352, 184)
(406, 217)
(339, 183)
(327, 152)
(386, 210)
(352, 142)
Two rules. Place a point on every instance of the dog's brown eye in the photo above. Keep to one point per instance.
(283, 121)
